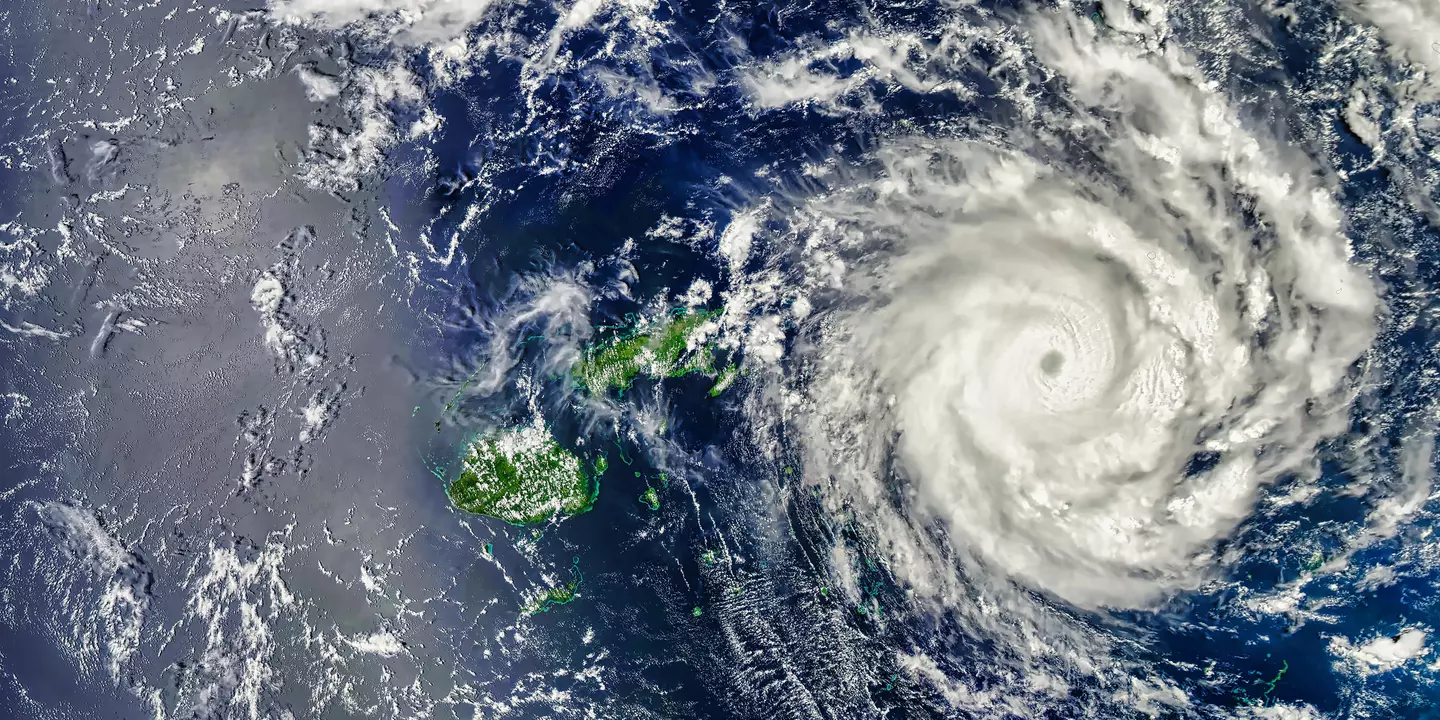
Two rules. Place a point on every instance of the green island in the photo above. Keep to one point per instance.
(558, 595)
(523, 476)
(661, 348)
(650, 499)
(725, 380)
(1269, 686)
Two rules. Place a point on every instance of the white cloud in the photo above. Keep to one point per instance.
(1381, 654)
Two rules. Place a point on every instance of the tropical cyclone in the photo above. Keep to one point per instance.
(1084, 372)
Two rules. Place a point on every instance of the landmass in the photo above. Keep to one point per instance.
(726, 379)
(523, 476)
(650, 499)
(558, 595)
(668, 347)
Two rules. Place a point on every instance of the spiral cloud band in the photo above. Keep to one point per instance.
(1085, 372)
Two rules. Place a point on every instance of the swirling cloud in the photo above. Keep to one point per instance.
(1082, 371)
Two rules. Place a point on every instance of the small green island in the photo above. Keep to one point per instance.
(523, 476)
(667, 347)
(559, 595)
(725, 380)
(650, 499)
(556, 595)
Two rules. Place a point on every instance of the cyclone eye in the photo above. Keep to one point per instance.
(1052, 363)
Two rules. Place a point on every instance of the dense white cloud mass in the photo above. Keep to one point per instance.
(407, 21)
(1085, 371)
(1410, 27)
